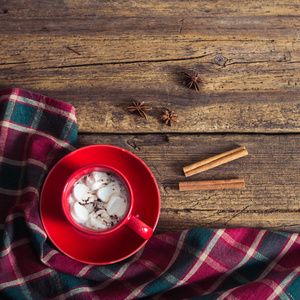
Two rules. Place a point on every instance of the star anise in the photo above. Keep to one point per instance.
(193, 79)
(140, 108)
(168, 116)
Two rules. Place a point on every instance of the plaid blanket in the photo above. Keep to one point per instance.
(35, 132)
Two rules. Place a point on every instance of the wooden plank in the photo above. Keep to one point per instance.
(285, 221)
(63, 49)
(107, 54)
(144, 16)
(271, 171)
(231, 101)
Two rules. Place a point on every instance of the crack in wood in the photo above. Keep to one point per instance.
(126, 62)
(71, 49)
(154, 167)
(226, 64)
(133, 144)
(235, 215)
(261, 61)
(268, 211)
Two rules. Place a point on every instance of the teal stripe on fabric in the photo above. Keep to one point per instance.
(9, 112)
(67, 131)
(36, 119)
(285, 296)
(37, 240)
(33, 117)
(272, 242)
(6, 241)
(107, 271)
(73, 135)
(12, 293)
(156, 287)
(69, 282)
(26, 292)
(293, 289)
(55, 280)
(23, 114)
(284, 234)
(199, 237)
(170, 278)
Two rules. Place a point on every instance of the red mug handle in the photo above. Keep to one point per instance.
(139, 227)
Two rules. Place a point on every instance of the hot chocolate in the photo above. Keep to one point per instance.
(98, 201)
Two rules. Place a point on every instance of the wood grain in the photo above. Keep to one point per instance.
(100, 55)
(107, 54)
(271, 172)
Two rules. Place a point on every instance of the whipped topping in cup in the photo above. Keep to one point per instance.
(98, 201)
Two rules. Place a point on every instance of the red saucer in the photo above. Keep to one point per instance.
(109, 248)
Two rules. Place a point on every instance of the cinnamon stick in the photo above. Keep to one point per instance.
(212, 184)
(214, 161)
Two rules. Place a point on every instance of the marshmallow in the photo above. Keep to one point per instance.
(79, 191)
(89, 207)
(99, 220)
(96, 180)
(116, 206)
(79, 212)
(105, 193)
(88, 197)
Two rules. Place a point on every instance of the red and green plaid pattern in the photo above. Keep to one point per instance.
(35, 132)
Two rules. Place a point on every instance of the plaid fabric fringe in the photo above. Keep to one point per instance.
(35, 132)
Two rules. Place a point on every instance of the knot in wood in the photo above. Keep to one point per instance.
(220, 60)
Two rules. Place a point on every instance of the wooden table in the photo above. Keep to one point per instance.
(101, 55)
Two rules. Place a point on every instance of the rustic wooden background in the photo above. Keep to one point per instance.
(100, 55)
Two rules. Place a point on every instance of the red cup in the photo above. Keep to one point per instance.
(129, 220)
